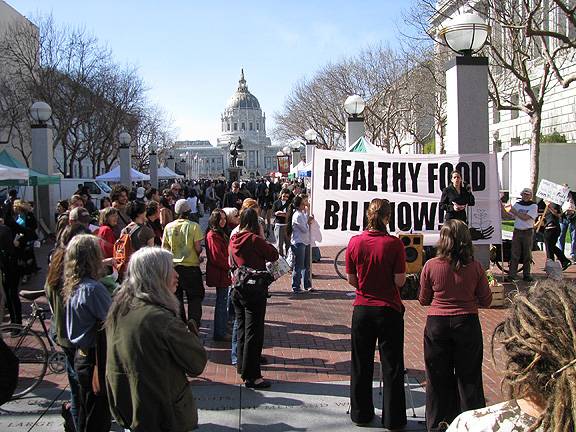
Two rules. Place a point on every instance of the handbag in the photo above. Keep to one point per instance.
(278, 268)
(248, 281)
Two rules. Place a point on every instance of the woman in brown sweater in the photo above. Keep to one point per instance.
(454, 285)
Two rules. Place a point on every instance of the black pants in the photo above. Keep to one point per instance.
(384, 325)
(93, 412)
(190, 282)
(550, 239)
(250, 313)
(453, 356)
(11, 281)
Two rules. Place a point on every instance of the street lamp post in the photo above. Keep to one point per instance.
(354, 106)
(467, 93)
(153, 166)
(466, 86)
(42, 157)
(311, 136)
(125, 164)
(170, 161)
(295, 148)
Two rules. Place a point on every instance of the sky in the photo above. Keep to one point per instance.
(190, 52)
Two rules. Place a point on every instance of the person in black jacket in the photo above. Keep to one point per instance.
(9, 274)
(455, 198)
(233, 198)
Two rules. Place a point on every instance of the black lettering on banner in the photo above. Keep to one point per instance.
(354, 217)
(330, 174)
(404, 216)
(424, 216)
(399, 177)
(392, 221)
(384, 166)
(441, 215)
(432, 176)
(365, 219)
(359, 176)
(371, 184)
(331, 215)
(478, 180)
(464, 169)
(445, 175)
(414, 170)
(345, 164)
(344, 225)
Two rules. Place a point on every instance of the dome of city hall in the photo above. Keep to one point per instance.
(242, 98)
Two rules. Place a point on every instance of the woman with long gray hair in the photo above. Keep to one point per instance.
(87, 302)
(146, 337)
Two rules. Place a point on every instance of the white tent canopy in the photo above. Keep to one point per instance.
(10, 173)
(165, 173)
(114, 175)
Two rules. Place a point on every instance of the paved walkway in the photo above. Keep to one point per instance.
(307, 346)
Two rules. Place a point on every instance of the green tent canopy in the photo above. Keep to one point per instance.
(36, 178)
(362, 145)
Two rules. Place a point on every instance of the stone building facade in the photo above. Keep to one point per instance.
(242, 119)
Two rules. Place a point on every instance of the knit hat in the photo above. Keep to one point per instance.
(182, 207)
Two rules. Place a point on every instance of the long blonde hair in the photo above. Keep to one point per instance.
(83, 259)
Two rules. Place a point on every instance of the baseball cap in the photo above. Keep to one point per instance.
(140, 192)
(526, 191)
(80, 214)
(182, 206)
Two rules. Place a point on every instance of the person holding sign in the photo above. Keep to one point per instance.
(376, 267)
(455, 198)
(552, 214)
(299, 229)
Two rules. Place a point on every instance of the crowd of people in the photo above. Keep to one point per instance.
(126, 287)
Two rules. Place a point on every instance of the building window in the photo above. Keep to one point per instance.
(257, 126)
(515, 101)
(252, 159)
(495, 114)
(251, 126)
(228, 127)
(243, 126)
(235, 126)
(267, 162)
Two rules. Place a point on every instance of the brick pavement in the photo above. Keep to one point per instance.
(308, 336)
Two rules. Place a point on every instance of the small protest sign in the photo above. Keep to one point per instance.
(552, 192)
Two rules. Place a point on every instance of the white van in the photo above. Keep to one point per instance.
(97, 189)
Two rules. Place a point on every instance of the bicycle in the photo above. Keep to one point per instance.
(27, 344)
(340, 263)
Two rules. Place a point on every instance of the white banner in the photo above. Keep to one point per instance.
(344, 183)
(552, 192)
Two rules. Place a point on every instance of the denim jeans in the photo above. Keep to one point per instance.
(301, 266)
(73, 382)
(232, 315)
(565, 227)
(220, 312)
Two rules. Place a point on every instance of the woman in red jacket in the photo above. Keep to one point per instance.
(248, 248)
(217, 270)
(454, 285)
(108, 220)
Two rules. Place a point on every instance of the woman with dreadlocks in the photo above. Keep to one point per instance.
(455, 286)
(539, 340)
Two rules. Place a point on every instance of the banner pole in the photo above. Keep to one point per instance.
(311, 211)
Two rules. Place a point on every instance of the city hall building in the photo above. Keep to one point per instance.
(242, 119)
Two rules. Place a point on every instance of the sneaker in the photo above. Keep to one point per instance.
(528, 279)
(260, 383)
(297, 291)
(567, 264)
(309, 289)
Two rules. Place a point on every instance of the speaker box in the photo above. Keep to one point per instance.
(414, 247)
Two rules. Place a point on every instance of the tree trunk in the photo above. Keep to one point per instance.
(536, 123)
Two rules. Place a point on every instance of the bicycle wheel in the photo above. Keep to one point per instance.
(32, 354)
(340, 263)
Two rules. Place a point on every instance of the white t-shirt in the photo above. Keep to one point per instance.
(503, 417)
(193, 202)
(531, 210)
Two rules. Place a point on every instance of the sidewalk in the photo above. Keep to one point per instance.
(307, 346)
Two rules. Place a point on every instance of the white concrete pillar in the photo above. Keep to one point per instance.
(42, 162)
(467, 115)
(467, 105)
(125, 165)
(154, 169)
(354, 129)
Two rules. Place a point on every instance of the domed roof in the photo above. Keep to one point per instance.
(242, 98)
